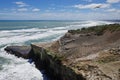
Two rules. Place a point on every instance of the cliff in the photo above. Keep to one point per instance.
(85, 54)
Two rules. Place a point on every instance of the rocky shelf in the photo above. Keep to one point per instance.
(84, 54)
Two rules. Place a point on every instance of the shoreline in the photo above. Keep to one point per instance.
(64, 58)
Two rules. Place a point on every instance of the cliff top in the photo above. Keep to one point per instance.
(93, 53)
(85, 41)
(98, 30)
(90, 50)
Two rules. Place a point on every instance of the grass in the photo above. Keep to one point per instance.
(55, 56)
(108, 59)
(99, 30)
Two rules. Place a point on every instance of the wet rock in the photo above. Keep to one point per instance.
(19, 51)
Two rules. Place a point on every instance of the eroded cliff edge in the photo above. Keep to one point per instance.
(85, 54)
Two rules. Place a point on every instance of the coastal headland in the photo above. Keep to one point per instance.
(91, 53)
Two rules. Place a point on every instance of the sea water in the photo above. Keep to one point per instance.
(20, 32)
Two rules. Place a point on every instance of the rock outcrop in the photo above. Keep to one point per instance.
(87, 54)
(19, 51)
(92, 52)
(53, 65)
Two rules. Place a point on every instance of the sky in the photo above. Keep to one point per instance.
(59, 9)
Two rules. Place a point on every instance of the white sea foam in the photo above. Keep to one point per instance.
(23, 35)
(78, 25)
(18, 69)
(19, 37)
(59, 28)
(23, 30)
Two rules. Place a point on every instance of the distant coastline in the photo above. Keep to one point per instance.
(114, 20)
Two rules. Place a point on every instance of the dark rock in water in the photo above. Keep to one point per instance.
(19, 51)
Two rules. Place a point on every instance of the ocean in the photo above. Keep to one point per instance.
(25, 32)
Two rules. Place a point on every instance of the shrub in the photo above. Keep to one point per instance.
(99, 30)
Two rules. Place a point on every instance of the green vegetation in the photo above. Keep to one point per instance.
(99, 30)
(108, 59)
(55, 56)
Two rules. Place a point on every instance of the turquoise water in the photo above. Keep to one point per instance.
(25, 33)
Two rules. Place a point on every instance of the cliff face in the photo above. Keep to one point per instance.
(19, 51)
(92, 53)
(87, 54)
(53, 65)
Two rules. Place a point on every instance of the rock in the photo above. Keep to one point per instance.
(51, 62)
(68, 35)
(19, 51)
(68, 41)
(88, 55)
(115, 51)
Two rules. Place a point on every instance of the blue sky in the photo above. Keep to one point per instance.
(59, 9)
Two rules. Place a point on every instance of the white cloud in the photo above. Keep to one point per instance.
(36, 10)
(113, 1)
(113, 10)
(88, 0)
(52, 8)
(47, 10)
(22, 9)
(21, 4)
(60, 16)
(92, 6)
